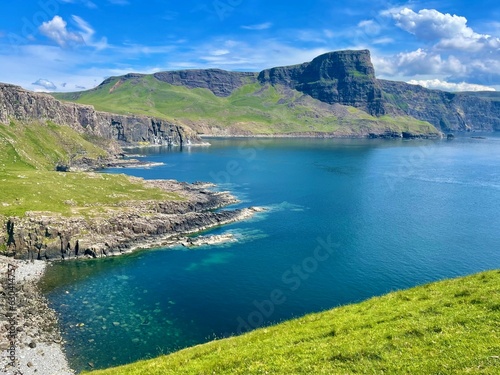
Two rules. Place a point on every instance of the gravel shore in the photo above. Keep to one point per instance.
(38, 344)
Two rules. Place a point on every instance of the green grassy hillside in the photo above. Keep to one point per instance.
(29, 153)
(251, 109)
(448, 327)
(42, 146)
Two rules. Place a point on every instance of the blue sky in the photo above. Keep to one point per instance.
(68, 45)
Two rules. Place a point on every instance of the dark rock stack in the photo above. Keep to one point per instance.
(344, 77)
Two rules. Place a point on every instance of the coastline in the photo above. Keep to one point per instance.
(38, 345)
(325, 135)
(128, 225)
(175, 239)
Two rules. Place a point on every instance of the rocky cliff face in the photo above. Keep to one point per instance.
(343, 77)
(135, 224)
(447, 111)
(23, 105)
(220, 82)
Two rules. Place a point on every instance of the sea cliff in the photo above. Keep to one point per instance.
(23, 105)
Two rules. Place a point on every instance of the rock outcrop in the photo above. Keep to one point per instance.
(23, 105)
(343, 77)
(132, 224)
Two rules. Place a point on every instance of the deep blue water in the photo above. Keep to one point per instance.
(346, 220)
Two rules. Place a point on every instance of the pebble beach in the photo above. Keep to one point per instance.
(38, 343)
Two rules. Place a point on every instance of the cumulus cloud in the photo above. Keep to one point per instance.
(450, 86)
(446, 30)
(260, 26)
(423, 62)
(45, 83)
(450, 51)
(57, 31)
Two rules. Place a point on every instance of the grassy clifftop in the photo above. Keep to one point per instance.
(29, 153)
(448, 327)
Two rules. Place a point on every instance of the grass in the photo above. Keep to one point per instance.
(42, 146)
(253, 108)
(448, 327)
(29, 153)
(87, 194)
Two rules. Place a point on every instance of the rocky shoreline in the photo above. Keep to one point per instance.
(122, 228)
(326, 135)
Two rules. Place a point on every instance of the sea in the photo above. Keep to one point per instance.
(344, 220)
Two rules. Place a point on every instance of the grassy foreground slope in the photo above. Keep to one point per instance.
(251, 109)
(448, 327)
(29, 153)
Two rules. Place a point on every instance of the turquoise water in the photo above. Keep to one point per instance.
(345, 220)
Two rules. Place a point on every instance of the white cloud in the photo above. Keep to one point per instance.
(88, 34)
(418, 62)
(384, 66)
(45, 83)
(89, 4)
(219, 52)
(421, 64)
(449, 32)
(311, 36)
(450, 86)
(260, 26)
(383, 40)
(450, 50)
(431, 25)
(57, 31)
(370, 27)
(328, 33)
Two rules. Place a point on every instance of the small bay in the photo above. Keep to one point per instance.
(345, 220)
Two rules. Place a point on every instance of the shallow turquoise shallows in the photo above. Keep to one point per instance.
(345, 220)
